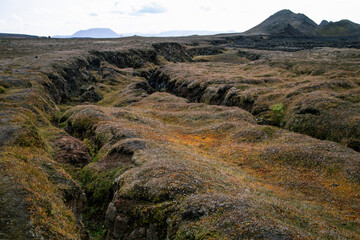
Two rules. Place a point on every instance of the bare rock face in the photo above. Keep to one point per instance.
(72, 151)
(172, 51)
(76, 200)
(7, 133)
(120, 226)
(90, 95)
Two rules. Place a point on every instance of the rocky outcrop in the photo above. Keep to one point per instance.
(71, 151)
(172, 52)
(71, 82)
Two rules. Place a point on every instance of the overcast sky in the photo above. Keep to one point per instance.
(64, 17)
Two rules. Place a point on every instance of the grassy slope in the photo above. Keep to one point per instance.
(33, 200)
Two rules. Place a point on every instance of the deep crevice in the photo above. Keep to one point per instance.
(72, 84)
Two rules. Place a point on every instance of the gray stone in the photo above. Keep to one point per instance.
(110, 214)
(120, 227)
(138, 233)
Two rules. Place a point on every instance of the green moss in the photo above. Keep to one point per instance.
(78, 127)
(82, 124)
(353, 226)
(277, 114)
(21, 157)
(29, 137)
(197, 231)
(242, 87)
(97, 231)
(2, 90)
(279, 107)
(332, 169)
(50, 217)
(238, 77)
(98, 186)
(155, 214)
(94, 149)
(269, 131)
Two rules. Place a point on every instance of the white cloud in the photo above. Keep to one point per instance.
(152, 8)
(205, 8)
(45, 17)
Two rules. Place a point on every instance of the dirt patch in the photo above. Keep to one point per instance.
(121, 154)
(72, 151)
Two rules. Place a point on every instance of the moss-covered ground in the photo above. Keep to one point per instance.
(224, 146)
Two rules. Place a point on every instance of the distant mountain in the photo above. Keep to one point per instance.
(108, 33)
(13, 35)
(179, 33)
(285, 23)
(340, 28)
(92, 33)
(96, 33)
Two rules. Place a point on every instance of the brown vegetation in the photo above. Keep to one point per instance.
(144, 164)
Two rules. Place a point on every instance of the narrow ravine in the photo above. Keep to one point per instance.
(104, 216)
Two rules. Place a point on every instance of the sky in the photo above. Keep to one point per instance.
(64, 17)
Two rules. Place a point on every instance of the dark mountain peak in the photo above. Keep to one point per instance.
(346, 21)
(289, 17)
(323, 23)
(278, 24)
(284, 12)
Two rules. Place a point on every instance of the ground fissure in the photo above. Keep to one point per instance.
(192, 166)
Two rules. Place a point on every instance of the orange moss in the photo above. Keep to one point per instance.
(48, 213)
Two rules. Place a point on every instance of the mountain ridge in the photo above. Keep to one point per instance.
(17, 35)
(341, 28)
(92, 33)
(286, 23)
(97, 33)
